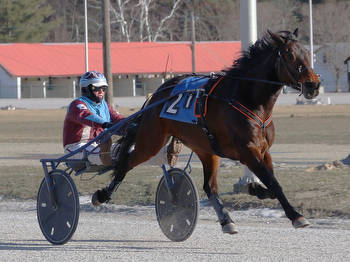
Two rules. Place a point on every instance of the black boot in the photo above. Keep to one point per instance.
(255, 189)
(119, 165)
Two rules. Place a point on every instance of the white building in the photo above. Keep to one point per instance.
(139, 68)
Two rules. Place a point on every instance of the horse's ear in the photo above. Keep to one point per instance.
(276, 38)
(295, 33)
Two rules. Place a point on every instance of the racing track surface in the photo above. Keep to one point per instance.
(116, 233)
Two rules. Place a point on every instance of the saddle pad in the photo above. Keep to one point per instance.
(182, 106)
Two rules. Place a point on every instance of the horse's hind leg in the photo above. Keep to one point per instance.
(147, 144)
(210, 169)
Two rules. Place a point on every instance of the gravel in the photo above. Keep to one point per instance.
(121, 233)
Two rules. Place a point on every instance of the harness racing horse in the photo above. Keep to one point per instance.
(235, 121)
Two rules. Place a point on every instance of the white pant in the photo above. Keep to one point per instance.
(94, 157)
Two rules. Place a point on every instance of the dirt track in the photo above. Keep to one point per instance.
(120, 233)
(132, 234)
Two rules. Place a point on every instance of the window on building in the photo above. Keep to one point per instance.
(139, 83)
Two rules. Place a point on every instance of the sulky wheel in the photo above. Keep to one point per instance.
(59, 223)
(177, 217)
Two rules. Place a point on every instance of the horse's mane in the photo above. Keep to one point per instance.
(249, 58)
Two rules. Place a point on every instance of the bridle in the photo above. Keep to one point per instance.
(281, 62)
(234, 103)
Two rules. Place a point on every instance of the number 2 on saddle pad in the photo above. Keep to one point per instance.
(182, 106)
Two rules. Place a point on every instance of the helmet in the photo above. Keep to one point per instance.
(90, 80)
(93, 78)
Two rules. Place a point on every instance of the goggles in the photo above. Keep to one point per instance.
(98, 88)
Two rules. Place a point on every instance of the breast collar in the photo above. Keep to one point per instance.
(239, 107)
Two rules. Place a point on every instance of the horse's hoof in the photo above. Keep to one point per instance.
(229, 229)
(94, 199)
(100, 197)
(300, 222)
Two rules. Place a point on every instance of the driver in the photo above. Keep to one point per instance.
(87, 116)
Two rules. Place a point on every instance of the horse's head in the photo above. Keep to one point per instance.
(293, 64)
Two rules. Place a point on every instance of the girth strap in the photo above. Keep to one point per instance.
(212, 140)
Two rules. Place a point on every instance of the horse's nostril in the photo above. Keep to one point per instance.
(310, 84)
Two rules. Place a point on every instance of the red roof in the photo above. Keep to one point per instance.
(68, 59)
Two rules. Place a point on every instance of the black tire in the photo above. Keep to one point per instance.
(58, 224)
(177, 221)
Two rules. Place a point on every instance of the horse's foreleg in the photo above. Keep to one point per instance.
(256, 188)
(210, 169)
(264, 171)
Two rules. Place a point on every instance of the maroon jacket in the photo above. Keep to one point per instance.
(84, 120)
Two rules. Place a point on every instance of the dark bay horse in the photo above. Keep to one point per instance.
(237, 123)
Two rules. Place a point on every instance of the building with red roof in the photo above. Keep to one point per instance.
(138, 68)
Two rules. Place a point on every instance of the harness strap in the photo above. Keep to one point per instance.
(212, 140)
(249, 114)
(238, 106)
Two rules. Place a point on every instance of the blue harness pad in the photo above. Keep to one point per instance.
(182, 106)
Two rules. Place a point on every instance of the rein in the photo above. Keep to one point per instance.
(296, 84)
(241, 108)
(280, 61)
(247, 112)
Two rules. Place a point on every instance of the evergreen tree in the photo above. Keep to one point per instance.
(25, 21)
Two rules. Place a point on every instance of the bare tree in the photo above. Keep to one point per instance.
(330, 22)
(279, 15)
(119, 17)
(332, 34)
(139, 20)
(217, 20)
(171, 14)
(149, 20)
(334, 54)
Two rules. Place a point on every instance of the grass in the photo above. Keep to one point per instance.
(316, 194)
(312, 130)
(294, 124)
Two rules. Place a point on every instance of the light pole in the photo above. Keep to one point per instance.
(311, 36)
(248, 23)
(248, 35)
(86, 40)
